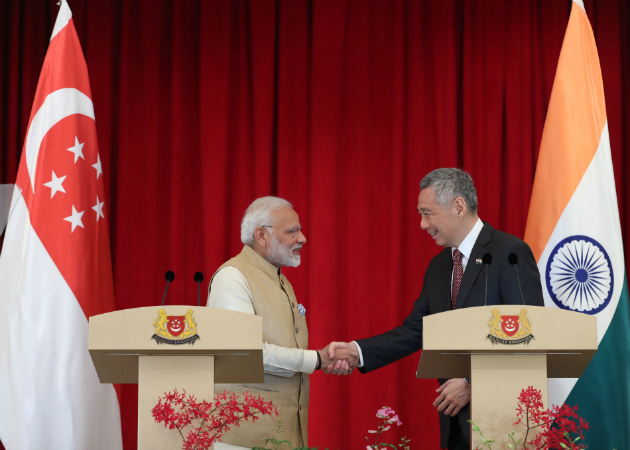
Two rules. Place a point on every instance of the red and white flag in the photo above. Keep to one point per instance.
(55, 268)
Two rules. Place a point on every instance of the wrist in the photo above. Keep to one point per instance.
(319, 361)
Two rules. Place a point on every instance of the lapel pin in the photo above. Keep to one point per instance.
(478, 261)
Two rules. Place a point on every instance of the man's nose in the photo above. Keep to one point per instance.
(424, 224)
(301, 238)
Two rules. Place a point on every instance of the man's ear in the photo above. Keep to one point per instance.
(260, 236)
(460, 206)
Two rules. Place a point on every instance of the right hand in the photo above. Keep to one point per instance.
(342, 357)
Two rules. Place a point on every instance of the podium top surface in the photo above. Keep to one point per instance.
(117, 339)
(568, 338)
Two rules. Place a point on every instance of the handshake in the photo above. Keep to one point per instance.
(339, 358)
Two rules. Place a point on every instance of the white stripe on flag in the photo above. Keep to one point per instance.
(48, 384)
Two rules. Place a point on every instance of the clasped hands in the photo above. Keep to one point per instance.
(339, 358)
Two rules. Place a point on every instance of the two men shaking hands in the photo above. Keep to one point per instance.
(253, 283)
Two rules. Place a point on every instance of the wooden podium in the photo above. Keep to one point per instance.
(503, 349)
(211, 346)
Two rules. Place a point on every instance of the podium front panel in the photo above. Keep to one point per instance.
(161, 374)
(568, 339)
(118, 339)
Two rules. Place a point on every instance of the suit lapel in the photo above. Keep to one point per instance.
(446, 275)
(472, 268)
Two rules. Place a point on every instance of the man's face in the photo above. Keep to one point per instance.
(284, 248)
(442, 224)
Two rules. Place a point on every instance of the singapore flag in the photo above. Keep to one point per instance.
(55, 268)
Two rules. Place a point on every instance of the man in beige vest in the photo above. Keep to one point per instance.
(252, 283)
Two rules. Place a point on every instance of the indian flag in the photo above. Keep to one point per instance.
(574, 231)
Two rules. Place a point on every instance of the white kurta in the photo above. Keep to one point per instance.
(229, 290)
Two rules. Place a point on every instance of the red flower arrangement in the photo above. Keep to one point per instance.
(178, 411)
(558, 428)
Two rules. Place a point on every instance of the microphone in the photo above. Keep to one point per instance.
(486, 260)
(198, 279)
(170, 276)
(513, 260)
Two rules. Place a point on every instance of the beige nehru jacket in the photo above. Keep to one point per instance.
(273, 299)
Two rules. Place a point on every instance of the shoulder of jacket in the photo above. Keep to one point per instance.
(444, 257)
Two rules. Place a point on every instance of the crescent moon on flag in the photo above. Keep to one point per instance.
(57, 106)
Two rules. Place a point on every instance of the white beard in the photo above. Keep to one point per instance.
(282, 255)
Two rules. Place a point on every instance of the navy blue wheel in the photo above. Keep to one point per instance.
(579, 275)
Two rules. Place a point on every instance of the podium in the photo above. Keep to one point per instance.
(503, 349)
(176, 346)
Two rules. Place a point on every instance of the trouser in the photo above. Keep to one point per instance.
(456, 439)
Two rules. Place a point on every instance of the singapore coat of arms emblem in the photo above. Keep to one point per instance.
(510, 330)
(175, 330)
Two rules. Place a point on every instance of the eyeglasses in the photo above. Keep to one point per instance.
(292, 231)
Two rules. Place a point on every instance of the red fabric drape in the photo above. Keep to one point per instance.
(339, 106)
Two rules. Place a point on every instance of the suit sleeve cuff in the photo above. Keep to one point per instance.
(360, 354)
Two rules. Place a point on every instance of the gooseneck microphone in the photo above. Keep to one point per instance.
(198, 280)
(486, 260)
(513, 260)
(170, 276)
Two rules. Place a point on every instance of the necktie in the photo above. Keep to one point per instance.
(458, 274)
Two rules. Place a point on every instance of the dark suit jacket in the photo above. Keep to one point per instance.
(378, 351)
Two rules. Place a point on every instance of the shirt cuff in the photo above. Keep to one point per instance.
(360, 354)
(310, 361)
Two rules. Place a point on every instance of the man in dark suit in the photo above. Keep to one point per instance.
(447, 205)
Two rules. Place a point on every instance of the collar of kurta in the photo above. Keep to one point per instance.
(261, 262)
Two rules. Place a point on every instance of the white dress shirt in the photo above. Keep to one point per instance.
(468, 243)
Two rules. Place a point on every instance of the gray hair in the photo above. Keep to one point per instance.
(258, 214)
(450, 183)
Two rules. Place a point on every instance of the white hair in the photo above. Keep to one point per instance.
(259, 214)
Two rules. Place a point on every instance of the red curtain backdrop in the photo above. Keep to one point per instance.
(339, 106)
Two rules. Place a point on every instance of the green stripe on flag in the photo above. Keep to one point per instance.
(603, 392)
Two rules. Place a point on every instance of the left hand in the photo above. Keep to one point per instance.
(341, 363)
(343, 357)
(454, 395)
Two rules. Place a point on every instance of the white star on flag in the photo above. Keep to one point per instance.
(99, 209)
(77, 149)
(55, 184)
(75, 218)
(98, 167)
